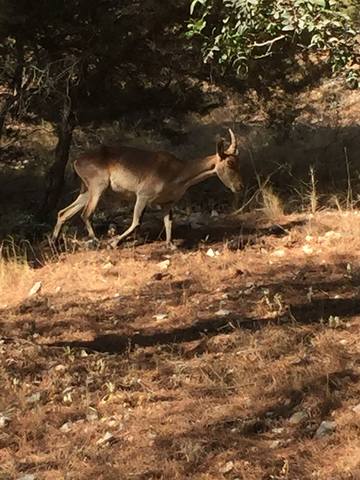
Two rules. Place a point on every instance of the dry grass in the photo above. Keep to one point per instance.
(124, 369)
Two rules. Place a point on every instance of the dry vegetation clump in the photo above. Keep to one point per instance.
(219, 361)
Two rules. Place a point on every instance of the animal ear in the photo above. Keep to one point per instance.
(220, 149)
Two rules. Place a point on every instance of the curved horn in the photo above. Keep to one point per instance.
(233, 144)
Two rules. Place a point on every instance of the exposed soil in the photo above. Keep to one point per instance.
(147, 364)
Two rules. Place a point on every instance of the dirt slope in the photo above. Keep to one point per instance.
(201, 364)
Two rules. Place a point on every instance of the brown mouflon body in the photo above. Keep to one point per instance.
(152, 177)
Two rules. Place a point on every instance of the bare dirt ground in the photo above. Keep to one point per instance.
(203, 364)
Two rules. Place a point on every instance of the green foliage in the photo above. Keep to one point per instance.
(237, 32)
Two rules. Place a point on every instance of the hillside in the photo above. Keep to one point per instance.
(221, 360)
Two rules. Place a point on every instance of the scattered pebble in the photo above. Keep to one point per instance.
(278, 430)
(332, 234)
(92, 416)
(275, 444)
(222, 313)
(325, 428)
(298, 417)
(307, 249)
(211, 253)
(164, 265)
(107, 265)
(356, 409)
(160, 317)
(227, 467)
(60, 368)
(35, 289)
(4, 420)
(106, 438)
(279, 253)
(34, 398)
(66, 427)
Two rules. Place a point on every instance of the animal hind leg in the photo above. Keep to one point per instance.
(139, 208)
(68, 212)
(93, 199)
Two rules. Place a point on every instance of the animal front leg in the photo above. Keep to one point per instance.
(168, 220)
(139, 208)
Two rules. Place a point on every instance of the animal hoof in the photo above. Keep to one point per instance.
(171, 246)
(93, 243)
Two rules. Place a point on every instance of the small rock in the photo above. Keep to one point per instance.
(27, 476)
(298, 417)
(60, 368)
(92, 416)
(106, 438)
(4, 420)
(279, 253)
(34, 398)
(275, 444)
(278, 430)
(160, 317)
(227, 467)
(66, 427)
(58, 289)
(35, 289)
(211, 253)
(107, 265)
(222, 313)
(112, 422)
(356, 409)
(307, 249)
(332, 234)
(164, 265)
(325, 428)
(214, 213)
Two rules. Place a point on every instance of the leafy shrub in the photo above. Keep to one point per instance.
(237, 32)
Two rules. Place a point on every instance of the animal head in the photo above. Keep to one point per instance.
(228, 164)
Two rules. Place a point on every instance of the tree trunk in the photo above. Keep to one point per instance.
(56, 176)
(4, 110)
(17, 85)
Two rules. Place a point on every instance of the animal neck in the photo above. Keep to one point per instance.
(199, 170)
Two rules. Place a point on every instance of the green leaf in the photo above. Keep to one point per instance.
(321, 3)
(194, 3)
(288, 28)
